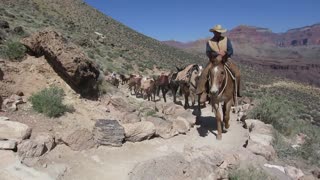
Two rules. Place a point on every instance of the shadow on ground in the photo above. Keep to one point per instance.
(206, 124)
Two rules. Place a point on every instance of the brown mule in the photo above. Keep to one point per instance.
(222, 89)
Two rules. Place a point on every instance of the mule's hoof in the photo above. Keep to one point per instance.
(227, 126)
(219, 137)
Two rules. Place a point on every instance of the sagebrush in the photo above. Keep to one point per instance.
(49, 102)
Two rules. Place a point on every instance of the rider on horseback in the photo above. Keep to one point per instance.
(219, 48)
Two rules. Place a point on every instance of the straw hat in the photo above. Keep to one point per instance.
(218, 28)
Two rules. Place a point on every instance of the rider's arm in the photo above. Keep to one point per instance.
(229, 48)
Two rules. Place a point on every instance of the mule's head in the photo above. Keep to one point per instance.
(217, 76)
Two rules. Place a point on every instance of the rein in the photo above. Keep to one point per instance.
(225, 84)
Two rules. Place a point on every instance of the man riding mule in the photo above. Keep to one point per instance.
(219, 49)
(221, 72)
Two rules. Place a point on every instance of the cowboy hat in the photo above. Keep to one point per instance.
(218, 28)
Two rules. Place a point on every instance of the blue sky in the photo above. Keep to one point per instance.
(188, 20)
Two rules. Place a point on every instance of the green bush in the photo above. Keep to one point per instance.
(277, 111)
(13, 50)
(285, 116)
(150, 113)
(49, 102)
(250, 173)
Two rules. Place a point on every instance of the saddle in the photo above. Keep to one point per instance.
(185, 74)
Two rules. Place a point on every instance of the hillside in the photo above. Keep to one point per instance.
(111, 44)
(49, 129)
(293, 54)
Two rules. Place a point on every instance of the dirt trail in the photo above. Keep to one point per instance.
(117, 162)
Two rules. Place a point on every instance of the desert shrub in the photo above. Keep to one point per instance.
(277, 111)
(90, 55)
(150, 112)
(105, 87)
(13, 50)
(49, 102)
(285, 116)
(250, 173)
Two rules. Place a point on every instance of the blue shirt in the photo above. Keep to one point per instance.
(213, 53)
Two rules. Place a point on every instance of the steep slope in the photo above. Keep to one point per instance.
(113, 45)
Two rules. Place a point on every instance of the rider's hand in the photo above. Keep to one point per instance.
(219, 58)
(222, 53)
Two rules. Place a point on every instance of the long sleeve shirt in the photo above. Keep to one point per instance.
(212, 53)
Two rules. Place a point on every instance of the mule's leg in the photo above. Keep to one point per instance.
(226, 112)
(154, 95)
(164, 92)
(174, 93)
(186, 101)
(193, 99)
(158, 90)
(199, 104)
(218, 119)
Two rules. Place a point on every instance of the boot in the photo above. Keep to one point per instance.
(238, 87)
(201, 84)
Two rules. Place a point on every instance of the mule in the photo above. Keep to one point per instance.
(174, 83)
(162, 83)
(148, 88)
(124, 79)
(134, 84)
(187, 79)
(222, 89)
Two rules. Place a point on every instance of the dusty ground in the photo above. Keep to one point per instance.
(103, 162)
(117, 162)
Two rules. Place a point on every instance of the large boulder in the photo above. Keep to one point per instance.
(130, 118)
(78, 140)
(164, 128)
(36, 147)
(10, 104)
(66, 59)
(260, 139)
(108, 132)
(122, 105)
(8, 145)
(11, 130)
(200, 163)
(172, 109)
(139, 131)
(293, 172)
(180, 124)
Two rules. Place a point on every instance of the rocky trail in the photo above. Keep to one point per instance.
(153, 140)
(118, 162)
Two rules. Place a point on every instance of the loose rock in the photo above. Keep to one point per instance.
(139, 131)
(108, 132)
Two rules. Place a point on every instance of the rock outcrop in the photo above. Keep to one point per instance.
(78, 140)
(66, 59)
(260, 139)
(108, 132)
(36, 147)
(10, 130)
(139, 131)
(202, 163)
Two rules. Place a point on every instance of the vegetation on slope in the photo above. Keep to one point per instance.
(118, 48)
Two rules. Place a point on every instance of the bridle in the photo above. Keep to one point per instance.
(225, 81)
